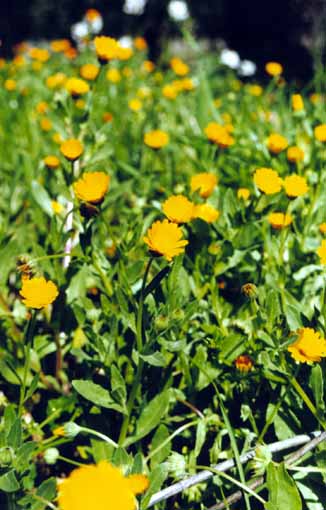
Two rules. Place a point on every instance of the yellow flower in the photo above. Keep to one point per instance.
(76, 87)
(60, 45)
(148, 66)
(72, 149)
(279, 220)
(101, 486)
(140, 43)
(321, 252)
(309, 346)
(178, 209)
(219, 135)
(295, 185)
(243, 193)
(10, 85)
(56, 207)
(107, 117)
(276, 143)
(42, 107)
(320, 132)
(124, 53)
(206, 212)
(322, 228)
(273, 68)
(38, 293)
(135, 105)
(113, 75)
(255, 90)
(186, 84)
(46, 124)
(179, 67)
(295, 154)
(89, 71)
(56, 80)
(39, 54)
(57, 138)
(92, 187)
(106, 48)
(268, 181)
(156, 139)
(51, 161)
(204, 183)
(92, 15)
(244, 363)
(80, 104)
(170, 91)
(165, 238)
(297, 102)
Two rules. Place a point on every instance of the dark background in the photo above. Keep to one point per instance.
(289, 31)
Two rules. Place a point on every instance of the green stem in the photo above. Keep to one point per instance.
(69, 461)
(140, 340)
(27, 351)
(100, 435)
(168, 439)
(298, 388)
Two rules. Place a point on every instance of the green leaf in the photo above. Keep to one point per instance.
(41, 197)
(200, 437)
(96, 394)
(118, 385)
(157, 359)
(8, 482)
(46, 491)
(161, 434)
(317, 386)
(156, 480)
(293, 317)
(282, 490)
(14, 437)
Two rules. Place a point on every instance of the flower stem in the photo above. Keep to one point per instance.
(27, 352)
(298, 388)
(140, 340)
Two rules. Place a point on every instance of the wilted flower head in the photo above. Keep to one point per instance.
(204, 183)
(72, 149)
(38, 293)
(309, 346)
(268, 181)
(178, 209)
(100, 486)
(92, 187)
(156, 139)
(165, 238)
(295, 186)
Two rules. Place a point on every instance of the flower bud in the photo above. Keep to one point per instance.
(51, 455)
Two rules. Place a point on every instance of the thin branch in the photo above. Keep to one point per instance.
(178, 487)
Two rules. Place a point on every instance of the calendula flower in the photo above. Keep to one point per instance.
(276, 143)
(39, 54)
(169, 91)
(148, 66)
(219, 135)
(107, 117)
(76, 87)
(38, 293)
(243, 193)
(321, 252)
(101, 486)
(156, 139)
(56, 80)
(92, 14)
(204, 183)
(179, 66)
(92, 187)
(165, 238)
(113, 75)
(80, 104)
(89, 71)
(273, 68)
(135, 105)
(72, 149)
(268, 181)
(295, 154)
(255, 90)
(10, 85)
(295, 186)
(51, 162)
(309, 346)
(124, 53)
(140, 43)
(42, 107)
(206, 212)
(322, 228)
(60, 45)
(106, 48)
(244, 363)
(178, 209)
(297, 102)
(279, 220)
(320, 133)
(46, 124)
(56, 207)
